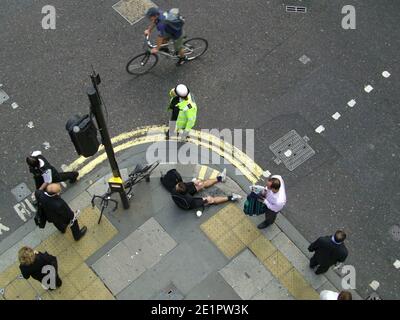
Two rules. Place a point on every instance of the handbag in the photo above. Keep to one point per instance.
(40, 217)
(253, 207)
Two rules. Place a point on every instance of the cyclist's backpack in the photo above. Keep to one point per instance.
(171, 179)
(174, 22)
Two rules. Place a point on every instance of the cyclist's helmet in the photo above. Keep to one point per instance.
(181, 90)
(153, 11)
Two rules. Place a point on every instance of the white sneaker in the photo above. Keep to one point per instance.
(236, 197)
(223, 175)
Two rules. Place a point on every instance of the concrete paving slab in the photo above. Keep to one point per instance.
(327, 286)
(117, 269)
(149, 243)
(170, 292)
(80, 202)
(298, 260)
(246, 275)
(274, 290)
(214, 287)
(100, 187)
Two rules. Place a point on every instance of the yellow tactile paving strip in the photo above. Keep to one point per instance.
(79, 281)
(232, 231)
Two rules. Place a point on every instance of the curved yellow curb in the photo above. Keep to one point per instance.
(143, 135)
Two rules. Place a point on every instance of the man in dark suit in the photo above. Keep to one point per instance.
(328, 250)
(44, 173)
(57, 211)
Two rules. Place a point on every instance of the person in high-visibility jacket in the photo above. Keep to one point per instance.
(184, 111)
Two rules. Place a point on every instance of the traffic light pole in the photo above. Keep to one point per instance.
(95, 106)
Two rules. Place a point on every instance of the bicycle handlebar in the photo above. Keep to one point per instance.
(148, 42)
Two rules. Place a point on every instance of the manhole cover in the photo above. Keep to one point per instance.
(169, 293)
(395, 232)
(292, 150)
(3, 96)
(133, 10)
(21, 191)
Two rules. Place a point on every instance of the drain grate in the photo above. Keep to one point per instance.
(3, 96)
(296, 9)
(292, 150)
(21, 191)
(395, 232)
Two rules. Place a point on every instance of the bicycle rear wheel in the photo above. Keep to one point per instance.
(195, 48)
(142, 63)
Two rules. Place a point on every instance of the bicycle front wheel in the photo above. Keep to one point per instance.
(195, 48)
(142, 63)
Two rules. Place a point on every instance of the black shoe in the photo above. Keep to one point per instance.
(82, 233)
(263, 225)
(73, 180)
(167, 135)
(181, 61)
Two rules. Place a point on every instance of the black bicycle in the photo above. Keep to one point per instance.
(144, 62)
(137, 175)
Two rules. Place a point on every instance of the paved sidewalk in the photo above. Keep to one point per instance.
(156, 251)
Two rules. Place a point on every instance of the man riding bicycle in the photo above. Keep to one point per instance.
(166, 32)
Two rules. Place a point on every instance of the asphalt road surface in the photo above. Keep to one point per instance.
(251, 77)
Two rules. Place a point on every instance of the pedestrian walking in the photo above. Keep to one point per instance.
(273, 195)
(44, 173)
(183, 111)
(57, 211)
(32, 264)
(332, 295)
(328, 251)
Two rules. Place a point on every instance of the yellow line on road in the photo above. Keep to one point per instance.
(151, 134)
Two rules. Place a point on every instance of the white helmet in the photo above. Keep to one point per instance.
(181, 90)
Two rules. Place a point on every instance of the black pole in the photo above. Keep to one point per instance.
(96, 109)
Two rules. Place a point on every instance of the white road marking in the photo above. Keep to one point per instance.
(368, 88)
(30, 125)
(30, 205)
(3, 228)
(266, 173)
(14, 105)
(385, 74)
(351, 103)
(288, 153)
(397, 264)
(46, 145)
(336, 116)
(304, 59)
(320, 129)
(374, 285)
(22, 211)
